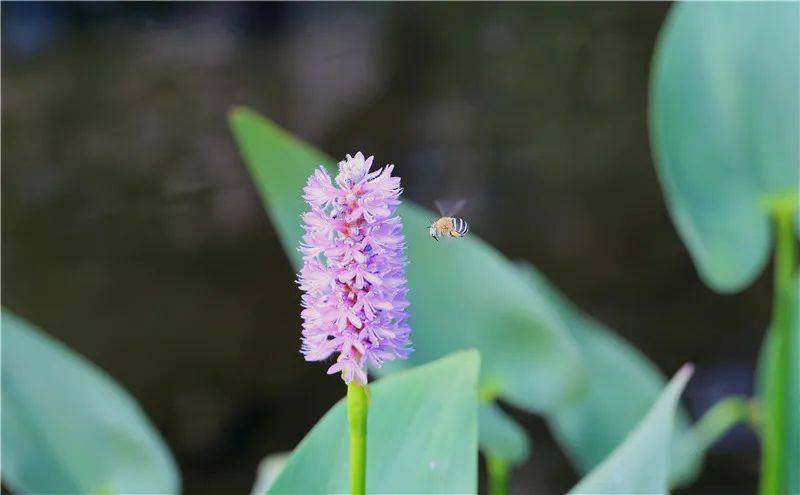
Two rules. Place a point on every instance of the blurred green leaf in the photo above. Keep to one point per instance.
(621, 386)
(67, 427)
(501, 437)
(422, 436)
(463, 294)
(268, 471)
(641, 463)
(724, 126)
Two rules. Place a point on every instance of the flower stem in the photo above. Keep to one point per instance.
(778, 355)
(720, 418)
(357, 406)
(498, 472)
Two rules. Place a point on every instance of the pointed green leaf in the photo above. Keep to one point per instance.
(422, 436)
(501, 437)
(641, 463)
(724, 114)
(67, 427)
(621, 385)
(463, 294)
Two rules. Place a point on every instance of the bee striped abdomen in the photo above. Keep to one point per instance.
(460, 227)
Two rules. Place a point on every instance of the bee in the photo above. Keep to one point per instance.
(448, 225)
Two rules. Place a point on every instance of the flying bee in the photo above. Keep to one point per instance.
(448, 225)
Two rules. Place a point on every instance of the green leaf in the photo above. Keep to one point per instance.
(69, 428)
(641, 463)
(501, 437)
(268, 471)
(422, 436)
(621, 385)
(463, 294)
(724, 127)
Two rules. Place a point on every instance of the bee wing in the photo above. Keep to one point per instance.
(448, 208)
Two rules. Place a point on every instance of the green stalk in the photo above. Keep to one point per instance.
(720, 418)
(357, 406)
(498, 471)
(778, 355)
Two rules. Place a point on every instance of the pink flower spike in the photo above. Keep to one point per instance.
(353, 275)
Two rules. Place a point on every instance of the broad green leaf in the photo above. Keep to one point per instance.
(463, 294)
(621, 385)
(724, 115)
(69, 428)
(641, 463)
(501, 437)
(422, 436)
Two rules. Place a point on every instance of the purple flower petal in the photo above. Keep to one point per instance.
(353, 276)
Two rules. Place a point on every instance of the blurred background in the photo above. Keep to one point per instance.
(131, 231)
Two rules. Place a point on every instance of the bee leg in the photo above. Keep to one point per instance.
(435, 238)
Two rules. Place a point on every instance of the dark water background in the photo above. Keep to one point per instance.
(131, 231)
